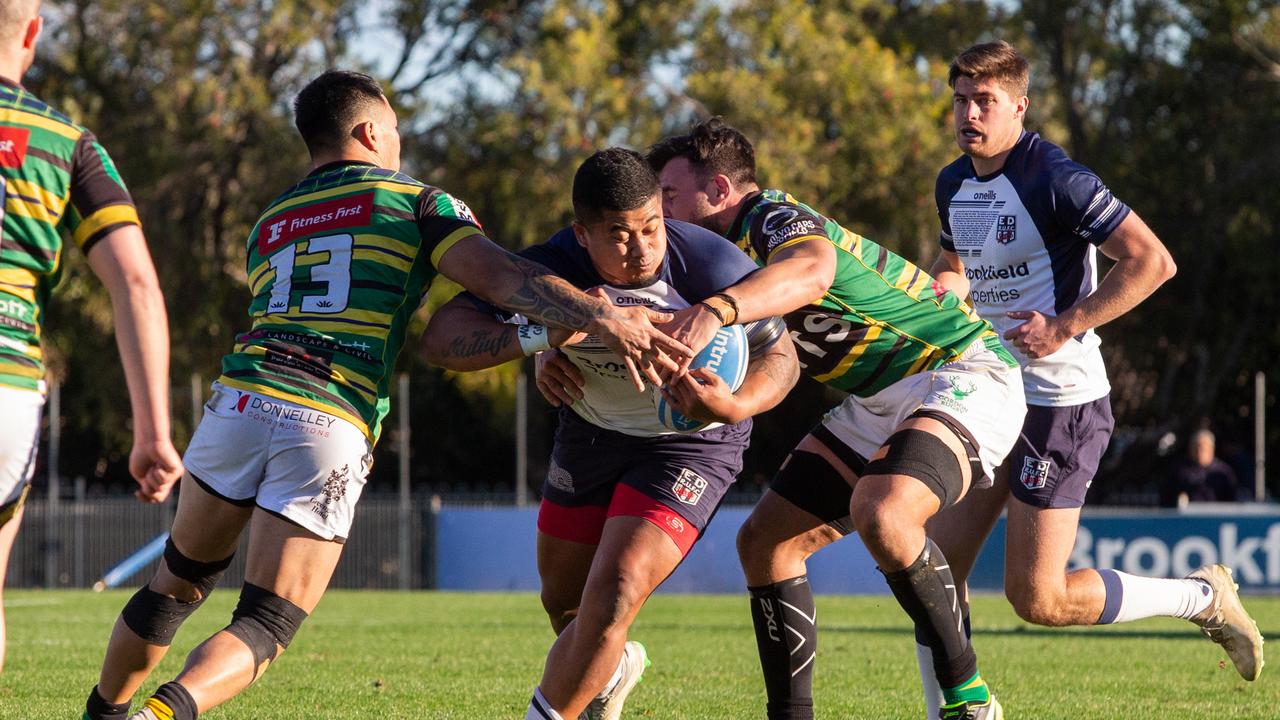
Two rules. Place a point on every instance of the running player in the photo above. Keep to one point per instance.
(337, 265)
(934, 405)
(54, 176)
(1021, 227)
(625, 498)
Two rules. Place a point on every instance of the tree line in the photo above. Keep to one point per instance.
(1175, 103)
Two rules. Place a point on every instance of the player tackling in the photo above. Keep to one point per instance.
(625, 497)
(336, 266)
(1021, 228)
(934, 406)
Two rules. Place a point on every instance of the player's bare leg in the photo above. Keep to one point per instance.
(633, 558)
(206, 529)
(8, 533)
(563, 567)
(774, 545)
(960, 531)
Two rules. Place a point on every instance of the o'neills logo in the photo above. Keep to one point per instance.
(991, 272)
(311, 219)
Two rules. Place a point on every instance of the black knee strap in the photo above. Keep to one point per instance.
(262, 620)
(925, 457)
(155, 617)
(202, 575)
(809, 482)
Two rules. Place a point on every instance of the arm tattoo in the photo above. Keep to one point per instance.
(547, 298)
(490, 342)
(781, 370)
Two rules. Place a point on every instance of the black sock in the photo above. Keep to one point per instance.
(787, 638)
(927, 592)
(97, 708)
(178, 699)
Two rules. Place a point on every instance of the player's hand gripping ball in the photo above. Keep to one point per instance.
(726, 356)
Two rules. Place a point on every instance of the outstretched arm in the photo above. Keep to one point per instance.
(120, 259)
(948, 270)
(519, 285)
(795, 276)
(1142, 265)
(462, 337)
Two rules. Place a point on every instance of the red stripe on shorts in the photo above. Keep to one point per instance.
(582, 524)
(632, 503)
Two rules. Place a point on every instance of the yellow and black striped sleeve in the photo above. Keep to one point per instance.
(443, 220)
(99, 198)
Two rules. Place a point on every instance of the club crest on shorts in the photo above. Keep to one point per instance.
(559, 478)
(688, 487)
(1035, 473)
(333, 490)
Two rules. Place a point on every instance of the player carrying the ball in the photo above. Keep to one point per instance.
(934, 405)
(625, 497)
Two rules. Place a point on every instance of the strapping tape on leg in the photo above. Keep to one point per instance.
(262, 620)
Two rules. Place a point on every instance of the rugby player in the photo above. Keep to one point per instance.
(337, 265)
(54, 177)
(625, 498)
(934, 405)
(1021, 228)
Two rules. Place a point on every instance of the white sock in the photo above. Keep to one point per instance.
(929, 682)
(613, 681)
(540, 709)
(1130, 597)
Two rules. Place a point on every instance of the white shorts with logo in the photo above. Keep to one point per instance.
(289, 459)
(979, 391)
(19, 440)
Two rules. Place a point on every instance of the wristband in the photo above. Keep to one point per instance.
(733, 303)
(714, 311)
(533, 339)
(719, 308)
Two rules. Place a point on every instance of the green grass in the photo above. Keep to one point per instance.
(449, 655)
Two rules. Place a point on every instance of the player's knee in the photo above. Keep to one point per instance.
(560, 610)
(1038, 607)
(154, 616)
(878, 524)
(263, 620)
(195, 579)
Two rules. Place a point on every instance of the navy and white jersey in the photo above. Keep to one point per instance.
(698, 264)
(1028, 238)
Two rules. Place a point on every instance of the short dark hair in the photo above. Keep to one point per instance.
(996, 61)
(712, 147)
(612, 180)
(329, 106)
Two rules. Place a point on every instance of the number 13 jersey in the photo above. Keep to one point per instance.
(337, 266)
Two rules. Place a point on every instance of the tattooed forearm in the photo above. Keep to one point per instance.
(548, 299)
(487, 343)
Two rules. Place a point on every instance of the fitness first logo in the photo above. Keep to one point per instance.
(688, 487)
(333, 490)
(313, 218)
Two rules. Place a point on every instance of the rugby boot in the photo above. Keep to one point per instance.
(989, 710)
(1226, 622)
(609, 707)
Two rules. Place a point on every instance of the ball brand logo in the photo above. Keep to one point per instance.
(988, 195)
(719, 346)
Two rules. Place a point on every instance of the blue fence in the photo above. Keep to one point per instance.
(493, 549)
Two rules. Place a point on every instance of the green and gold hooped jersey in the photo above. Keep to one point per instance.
(881, 320)
(54, 176)
(337, 266)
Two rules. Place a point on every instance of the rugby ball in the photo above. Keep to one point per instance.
(726, 356)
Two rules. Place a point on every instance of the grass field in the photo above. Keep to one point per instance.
(449, 655)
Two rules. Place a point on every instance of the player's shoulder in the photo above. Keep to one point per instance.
(18, 98)
(780, 218)
(1041, 164)
(701, 262)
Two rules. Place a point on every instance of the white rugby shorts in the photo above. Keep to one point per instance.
(303, 464)
(19, 440)
(978, 390)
